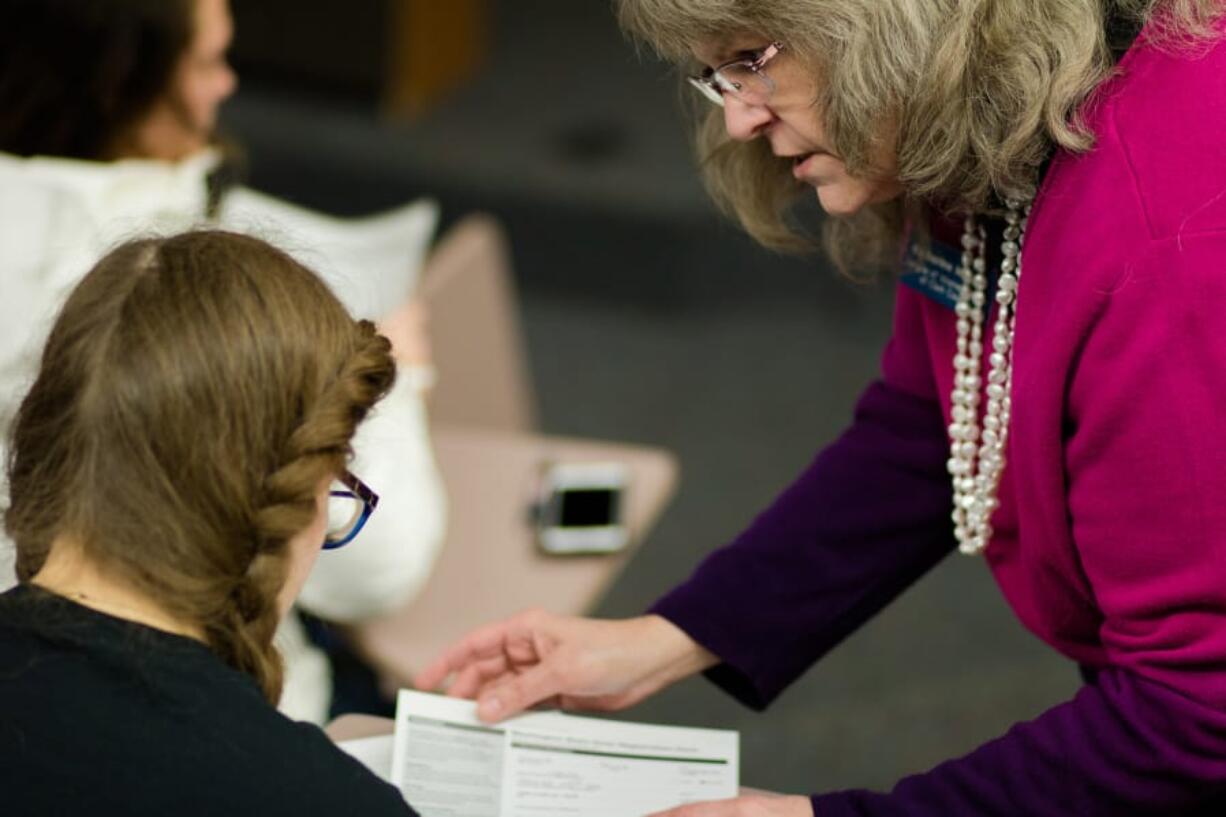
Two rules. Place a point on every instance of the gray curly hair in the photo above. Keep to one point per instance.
(972, 93)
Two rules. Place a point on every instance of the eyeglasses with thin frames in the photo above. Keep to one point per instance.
(742, 79)
(350, 504)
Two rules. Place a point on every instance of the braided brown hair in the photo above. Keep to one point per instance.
(194, 394)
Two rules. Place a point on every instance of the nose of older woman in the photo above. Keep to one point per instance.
(744, 121)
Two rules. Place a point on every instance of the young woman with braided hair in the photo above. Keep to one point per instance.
(108, 118)
(1060, 419)
(174, 470)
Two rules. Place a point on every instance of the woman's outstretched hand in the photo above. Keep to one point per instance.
(577, 663)
(749, 804)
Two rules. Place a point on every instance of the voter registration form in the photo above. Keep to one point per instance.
(551, 764)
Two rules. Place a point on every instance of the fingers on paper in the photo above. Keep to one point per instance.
(513, 640)
(534, 685)
(470, 681)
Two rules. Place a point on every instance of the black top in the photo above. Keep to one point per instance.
(102, 716)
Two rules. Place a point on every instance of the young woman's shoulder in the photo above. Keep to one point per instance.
(109, 717)
(320, 778)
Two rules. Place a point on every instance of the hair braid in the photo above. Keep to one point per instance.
(317, 448)
(194, 395)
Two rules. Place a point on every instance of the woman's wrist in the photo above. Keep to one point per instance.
(677, 655)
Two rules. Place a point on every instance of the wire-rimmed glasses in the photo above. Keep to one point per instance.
(350, 504)
(742, 79)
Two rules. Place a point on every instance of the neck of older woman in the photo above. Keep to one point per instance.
(70, 572)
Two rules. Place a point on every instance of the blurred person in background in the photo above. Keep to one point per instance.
(108, 112)
(1058, 417)
(175, 469)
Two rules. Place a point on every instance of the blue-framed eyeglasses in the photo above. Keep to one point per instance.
(743, 79)
(350, 504)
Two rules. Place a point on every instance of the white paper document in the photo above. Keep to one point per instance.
(550, 764)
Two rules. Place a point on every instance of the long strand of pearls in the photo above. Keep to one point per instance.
(977, 459)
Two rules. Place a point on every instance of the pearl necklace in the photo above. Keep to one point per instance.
(976, 461)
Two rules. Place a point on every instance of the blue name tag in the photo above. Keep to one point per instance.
(932, 270)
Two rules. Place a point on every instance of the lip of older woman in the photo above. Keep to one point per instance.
(801, 162)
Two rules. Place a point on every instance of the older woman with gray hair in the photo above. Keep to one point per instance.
(1062, 424)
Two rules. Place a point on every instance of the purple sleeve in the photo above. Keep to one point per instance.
(1145, 466)
(1122, 745)
(867, 518)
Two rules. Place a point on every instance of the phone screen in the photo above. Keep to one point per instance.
(588, 507)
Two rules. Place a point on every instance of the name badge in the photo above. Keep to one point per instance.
(931, 268)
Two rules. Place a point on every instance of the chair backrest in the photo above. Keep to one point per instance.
(475, 334)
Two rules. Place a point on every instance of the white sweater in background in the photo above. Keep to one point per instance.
(58, 217)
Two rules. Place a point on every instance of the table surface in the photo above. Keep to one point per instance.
(490, 566)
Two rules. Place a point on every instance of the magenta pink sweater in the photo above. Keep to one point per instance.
(1111, 536)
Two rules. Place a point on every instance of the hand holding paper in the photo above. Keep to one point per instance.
(548, 764)
(579, 663)
(759, 804)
